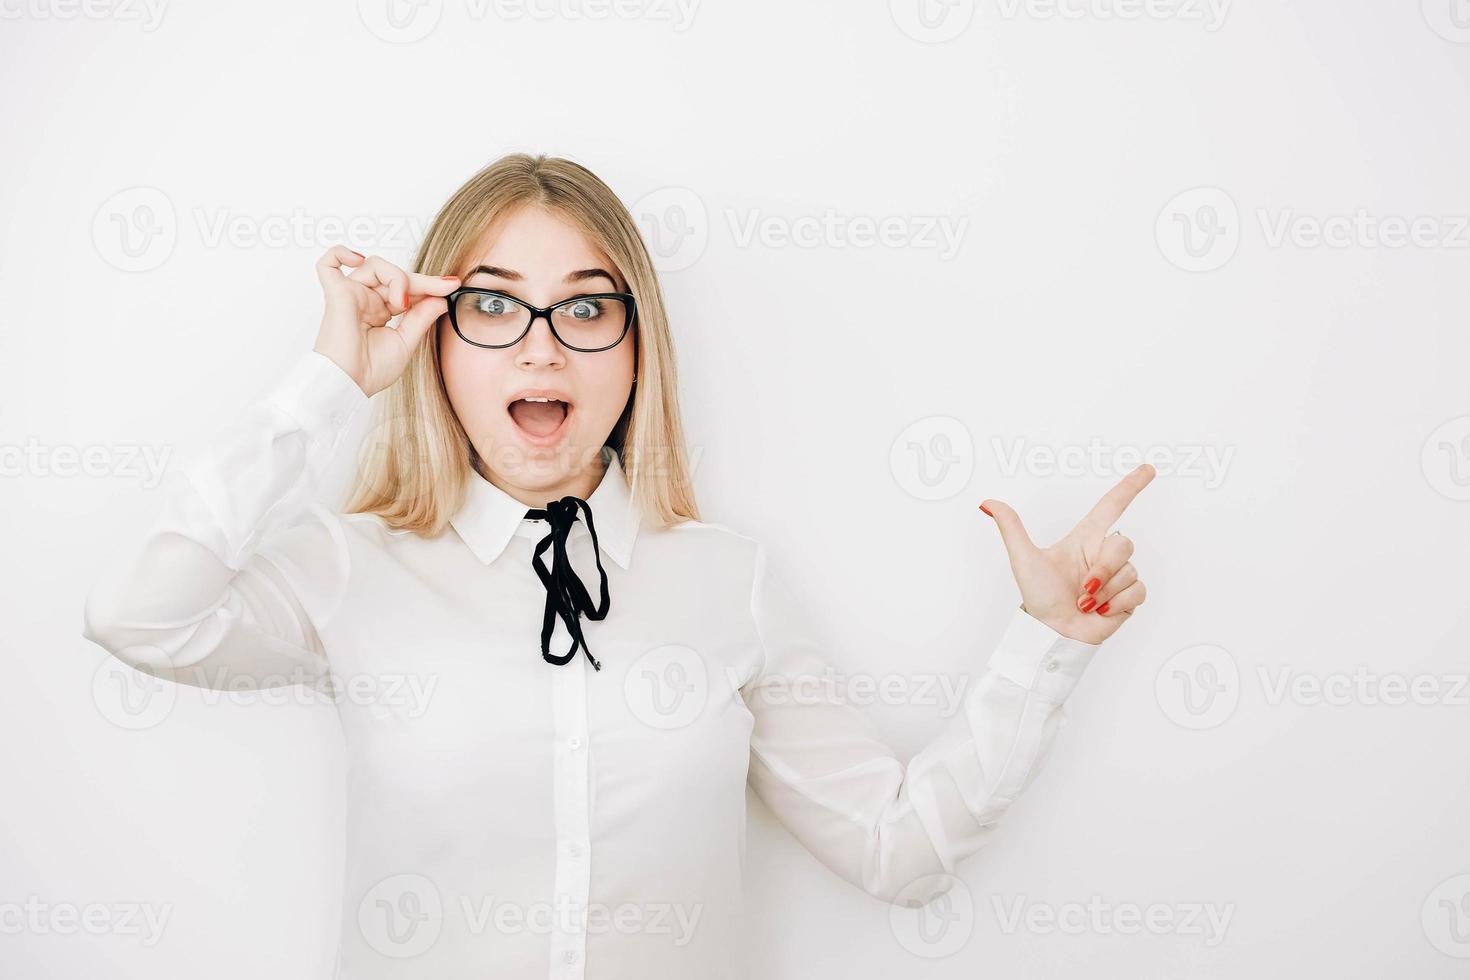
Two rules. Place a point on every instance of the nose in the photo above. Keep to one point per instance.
(540, 346)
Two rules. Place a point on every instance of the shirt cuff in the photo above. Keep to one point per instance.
(1039, 659)
(318, 394)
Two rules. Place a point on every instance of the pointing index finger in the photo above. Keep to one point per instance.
(1107, 510)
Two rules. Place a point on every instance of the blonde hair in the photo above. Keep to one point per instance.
(416, 461)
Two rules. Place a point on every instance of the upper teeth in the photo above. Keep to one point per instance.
(538, 399)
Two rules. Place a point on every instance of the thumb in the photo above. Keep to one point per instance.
(1012, 532)
(419, 317)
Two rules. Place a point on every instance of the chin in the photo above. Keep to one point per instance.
(533, 460)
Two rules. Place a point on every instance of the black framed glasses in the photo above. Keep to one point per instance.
(588, 323)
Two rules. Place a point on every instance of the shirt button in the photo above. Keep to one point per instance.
(570, 956)
(574, 849)
(1052, 667)
(575, 742)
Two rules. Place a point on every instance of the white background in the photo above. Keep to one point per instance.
(1085, 303)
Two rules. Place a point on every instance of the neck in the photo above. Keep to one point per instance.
(580, 484)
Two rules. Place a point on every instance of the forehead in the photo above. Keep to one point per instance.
(539, 244)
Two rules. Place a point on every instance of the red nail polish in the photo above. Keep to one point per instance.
(1087, 606)
(987, 510)
(1091, 586)
(1102, 609)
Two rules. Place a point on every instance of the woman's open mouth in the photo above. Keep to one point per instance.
(541, 420)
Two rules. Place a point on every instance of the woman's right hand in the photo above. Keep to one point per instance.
(354, 331)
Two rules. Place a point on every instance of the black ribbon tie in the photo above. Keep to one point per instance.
(565, 594)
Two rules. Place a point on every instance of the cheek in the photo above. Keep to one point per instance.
(468, 375)
(452, 365)
(613, 382)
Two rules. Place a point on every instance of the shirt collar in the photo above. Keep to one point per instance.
(490, 517)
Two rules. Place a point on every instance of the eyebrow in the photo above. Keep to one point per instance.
(581, 275)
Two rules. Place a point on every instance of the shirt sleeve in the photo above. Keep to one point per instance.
(897, 830)
(226, 586)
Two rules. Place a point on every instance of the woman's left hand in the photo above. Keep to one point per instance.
(1085, 585)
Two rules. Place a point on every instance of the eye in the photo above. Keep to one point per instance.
(492, 305)
(582, 309)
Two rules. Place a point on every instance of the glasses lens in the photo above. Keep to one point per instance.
(590, 322)
(485, 319)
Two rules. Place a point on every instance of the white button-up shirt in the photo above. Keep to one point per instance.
(510, 818)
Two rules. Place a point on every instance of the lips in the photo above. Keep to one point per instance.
(541, 416)
(540, 419)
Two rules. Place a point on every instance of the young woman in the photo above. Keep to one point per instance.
(554, 679)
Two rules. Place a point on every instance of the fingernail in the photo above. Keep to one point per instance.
(1088, 604)
(449, 277)
(357, 253)
(1102, 609)
(987, 510)
(1091, 586)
